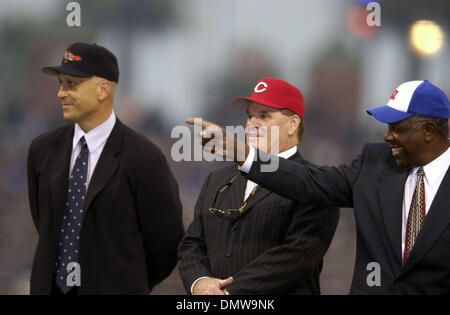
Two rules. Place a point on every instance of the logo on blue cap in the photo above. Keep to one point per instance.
(413, 98)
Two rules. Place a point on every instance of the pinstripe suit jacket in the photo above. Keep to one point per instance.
(275, 246)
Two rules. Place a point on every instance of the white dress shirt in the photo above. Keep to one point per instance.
(434, 173)
(95, 139)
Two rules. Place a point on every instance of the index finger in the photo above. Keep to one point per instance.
(199, 122)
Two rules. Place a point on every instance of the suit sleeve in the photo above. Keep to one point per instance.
(309, 185)
(160, 217)
(192, 252)
(281, 268)
(33, 180)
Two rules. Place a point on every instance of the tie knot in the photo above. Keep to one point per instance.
(83, 142)
(420, 172)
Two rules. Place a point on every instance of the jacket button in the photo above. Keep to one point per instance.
(234, 229)
(228, 254)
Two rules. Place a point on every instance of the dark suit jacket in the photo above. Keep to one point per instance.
(275, 246)
(132, 222)
(373, 185)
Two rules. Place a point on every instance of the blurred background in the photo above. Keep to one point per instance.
(190, 58)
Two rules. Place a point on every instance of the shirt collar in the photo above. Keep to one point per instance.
(435, 168)
(288, 153)
(95, 137)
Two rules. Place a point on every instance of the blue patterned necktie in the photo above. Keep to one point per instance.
(69, 241)
(416, 214)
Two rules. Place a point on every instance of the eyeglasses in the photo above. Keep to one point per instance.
(229, 212)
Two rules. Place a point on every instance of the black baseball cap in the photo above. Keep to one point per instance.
(86, 60)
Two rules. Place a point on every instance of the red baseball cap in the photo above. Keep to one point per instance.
(274, 93)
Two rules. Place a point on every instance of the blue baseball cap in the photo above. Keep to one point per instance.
(413, 98)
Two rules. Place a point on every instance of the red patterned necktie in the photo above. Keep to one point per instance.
(416, 214)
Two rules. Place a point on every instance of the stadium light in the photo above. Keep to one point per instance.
(426, 37)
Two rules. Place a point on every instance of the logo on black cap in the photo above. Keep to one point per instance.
(68, 56)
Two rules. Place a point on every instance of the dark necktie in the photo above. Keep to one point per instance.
(416, 214)
(69, 241)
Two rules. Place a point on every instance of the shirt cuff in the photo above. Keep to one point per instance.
(248, 161)
(193, 284)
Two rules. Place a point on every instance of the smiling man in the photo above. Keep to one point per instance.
(245, 239)
(78, 99)
(101, 196)
(399, 191)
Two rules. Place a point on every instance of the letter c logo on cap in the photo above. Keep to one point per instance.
(260, 87)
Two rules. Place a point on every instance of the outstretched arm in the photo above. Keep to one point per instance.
(320, 186)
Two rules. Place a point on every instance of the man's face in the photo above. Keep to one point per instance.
(260, 129)
(79, 97)
(406, 139)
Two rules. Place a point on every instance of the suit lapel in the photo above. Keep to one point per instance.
(237, 192)
(436, 220)
(59, 181)
(260, 194)
(390, 197)
(106, 164)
